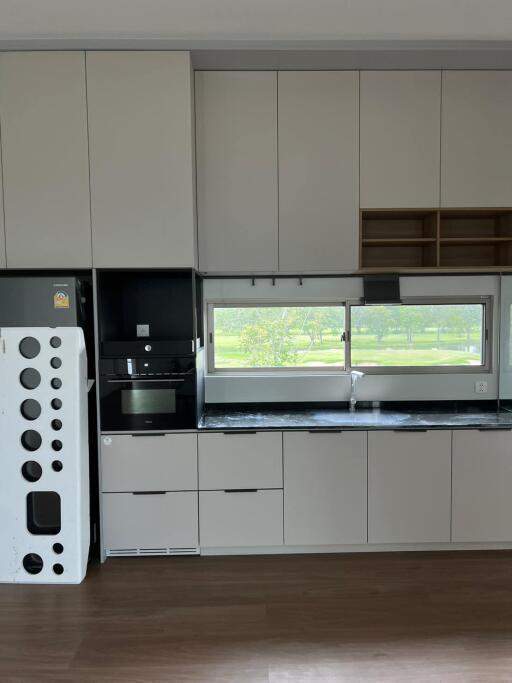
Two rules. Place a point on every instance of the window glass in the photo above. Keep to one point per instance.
(417, 335)
(274, 336)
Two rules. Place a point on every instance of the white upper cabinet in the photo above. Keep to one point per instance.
(476, 151)
(236, 137)
(142, 159)
(318, 170)
(400, 139)
(43, 117)
(2, 231)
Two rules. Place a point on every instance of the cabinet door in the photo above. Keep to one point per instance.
(400, 138)
(318, 170)
(236, 129)
(240, 518)
(229, 461)
(43, 116)
(482, 486)
(409, 487)
(141, 146)
(152, 523)
(325, 479)
(166, 462)
(476, 149)
(2, 231)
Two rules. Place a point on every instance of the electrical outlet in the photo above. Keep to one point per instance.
(481, 387)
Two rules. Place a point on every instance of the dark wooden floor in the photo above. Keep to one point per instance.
(373, 617)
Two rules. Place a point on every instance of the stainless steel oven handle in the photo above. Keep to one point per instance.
(131, 381)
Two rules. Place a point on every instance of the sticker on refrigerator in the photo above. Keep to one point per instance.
(61, 299)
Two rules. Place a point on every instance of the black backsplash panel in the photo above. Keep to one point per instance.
(164, 300)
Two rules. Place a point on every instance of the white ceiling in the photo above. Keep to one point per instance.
(278, 21)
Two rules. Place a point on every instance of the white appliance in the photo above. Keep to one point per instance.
(44, 455)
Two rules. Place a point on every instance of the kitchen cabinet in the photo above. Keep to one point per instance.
(318, 170)
(325, 481)
(240, 518)
(400, 139)
(43, 117)
(152, 524)
(141, 159)
(476, 140)
(148, 463)
(236, 133)
(409, 486)
(2, 231)
(251, 460)
(482, 485)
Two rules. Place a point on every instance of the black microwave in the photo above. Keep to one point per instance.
(147, 393)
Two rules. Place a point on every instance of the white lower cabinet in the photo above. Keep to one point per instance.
(482, 486)
(163, 462)
(409, 486)
(241, 518)
(150, 523)
(325, 488)
(240, 460)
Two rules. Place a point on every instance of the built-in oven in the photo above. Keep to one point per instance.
(147, 393)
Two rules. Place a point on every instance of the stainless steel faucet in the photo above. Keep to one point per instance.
(355, 375)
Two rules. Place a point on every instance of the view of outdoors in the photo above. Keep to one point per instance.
(417, 335)
(310, 336)
(279, 336)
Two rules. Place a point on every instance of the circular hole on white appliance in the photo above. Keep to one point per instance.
(29, 347)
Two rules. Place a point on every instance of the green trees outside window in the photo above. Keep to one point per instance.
(311, 336)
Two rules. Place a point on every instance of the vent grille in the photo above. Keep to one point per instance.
(135, 552)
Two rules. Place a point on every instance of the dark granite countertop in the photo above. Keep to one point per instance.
(228, 417)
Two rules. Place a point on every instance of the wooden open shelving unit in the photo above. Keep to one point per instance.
(430, 239)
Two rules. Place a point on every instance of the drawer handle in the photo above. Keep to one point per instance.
(325, 431)
(239, 432)
(144, 435)
(240, 490)
(408, 430)
(149, 493)
(494, 429)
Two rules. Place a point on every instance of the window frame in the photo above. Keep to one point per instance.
(315, 369)
(487, 339)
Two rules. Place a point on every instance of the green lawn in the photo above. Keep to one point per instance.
(394, 350)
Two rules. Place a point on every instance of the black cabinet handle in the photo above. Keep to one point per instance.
(145, 435)
(325, 431)
(495, 429)
(239, 432)
(240, 490)
(149, 493)
(406, 429)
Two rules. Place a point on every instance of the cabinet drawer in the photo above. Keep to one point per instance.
(242, 519)
(151, 523)
(228, 461)
(165, 462)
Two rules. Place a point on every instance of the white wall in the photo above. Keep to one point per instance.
(241, 388)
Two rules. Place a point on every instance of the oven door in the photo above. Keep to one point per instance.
(148, 404)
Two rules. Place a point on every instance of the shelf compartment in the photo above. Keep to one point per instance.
(476, 255)
(395, 239)
(399, 224)
(400, 255)
(476, 224)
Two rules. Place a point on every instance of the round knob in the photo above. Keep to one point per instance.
(147, 347)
